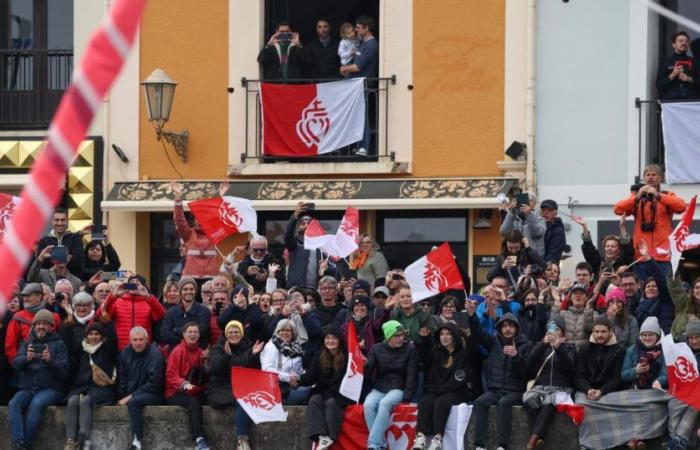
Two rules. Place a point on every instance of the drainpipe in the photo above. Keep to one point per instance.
(530, 180)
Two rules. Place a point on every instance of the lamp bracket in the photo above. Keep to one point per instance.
(177, 140)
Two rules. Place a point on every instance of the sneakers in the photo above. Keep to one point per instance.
(18, 445)
(324, 443)
(436, 443)
(135, 444)
(71, 444)
(243, 443)
(361, 151)
(201, 444)
(676, 443)
(479, 447)
(419, 442)
(500, 447)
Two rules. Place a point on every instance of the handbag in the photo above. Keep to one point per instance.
(99, 377)
(531, 383)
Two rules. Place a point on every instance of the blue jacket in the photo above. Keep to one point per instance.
(554, 241)
(37, 374)
(657, 367)
(489, 325)
(661, 307)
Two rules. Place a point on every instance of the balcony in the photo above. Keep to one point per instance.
(376, 97)
(31, 85)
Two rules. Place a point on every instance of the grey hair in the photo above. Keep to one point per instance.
(66, 282)
(328, 280)
(259, 238)
(531, 196)
(83, 298)
(286, 323)
(138, 330)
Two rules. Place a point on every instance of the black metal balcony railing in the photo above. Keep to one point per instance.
(31, 85)
(377, 101)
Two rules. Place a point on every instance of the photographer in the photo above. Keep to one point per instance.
(303, 264)
(653, 211)
(60, 258)
(283, 57)
(254, 266)
(675, 78)
(516, 254)
(523, 218)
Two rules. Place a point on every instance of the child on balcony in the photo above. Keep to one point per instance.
(348, 43)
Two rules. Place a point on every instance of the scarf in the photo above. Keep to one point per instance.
(302, 334)
(359, 261)
(290, 350)
(85, 319)
(36, 308)
(91, 349)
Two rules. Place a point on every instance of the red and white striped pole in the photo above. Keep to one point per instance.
(104, 57)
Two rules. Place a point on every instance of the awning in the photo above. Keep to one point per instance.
(419, 193)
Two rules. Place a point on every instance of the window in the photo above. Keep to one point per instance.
(165, 249)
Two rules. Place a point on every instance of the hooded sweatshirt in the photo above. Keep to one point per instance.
(449, 372)
(599, 366)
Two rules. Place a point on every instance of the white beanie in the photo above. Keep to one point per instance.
(651, 325)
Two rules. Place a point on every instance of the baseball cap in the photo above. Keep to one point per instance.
(381, 290)
(579, 287)
(549, 204)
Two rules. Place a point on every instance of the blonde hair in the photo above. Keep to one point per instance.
(345, 26)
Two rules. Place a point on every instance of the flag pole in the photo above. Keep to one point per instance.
(219, 252)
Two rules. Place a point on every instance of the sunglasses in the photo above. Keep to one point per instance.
(258, 250)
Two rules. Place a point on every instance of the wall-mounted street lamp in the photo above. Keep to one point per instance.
(159, 90)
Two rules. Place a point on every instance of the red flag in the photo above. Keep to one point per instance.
(576, 412)
(351, 386)
(681, 239)
(399, 435)
(8, 203)
(309, 119)
(348, 235)
(682, 368)
(220, 217)
(258, 393)
(433, 274)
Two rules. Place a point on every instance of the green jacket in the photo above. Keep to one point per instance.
(413, 323)
(681, 300)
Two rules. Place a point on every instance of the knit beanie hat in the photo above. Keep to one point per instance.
(616, 294)
(95, 326)
(560, 322)
(693, 328)
(44, 316)
(651, 325)
(234, 324)
(390, 328)
(187, 280)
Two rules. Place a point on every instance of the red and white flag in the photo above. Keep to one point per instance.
(315, 237)
(347, 237)
(258, 393)
(310, 119)
(400, 433)
(8, 203)
(433, 274)
(351, 386)
(682, 368)
(681, 239)
(220, 217)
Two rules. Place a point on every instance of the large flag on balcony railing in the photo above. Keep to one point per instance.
(311, 119)
(682, 141)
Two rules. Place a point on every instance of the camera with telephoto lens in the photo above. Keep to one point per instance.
(60, 298)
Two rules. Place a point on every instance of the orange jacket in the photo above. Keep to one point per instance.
(201, 259)
(667, 205)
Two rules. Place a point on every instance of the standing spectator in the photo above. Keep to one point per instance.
(579, 318)
(416, 322)
(283, 57)
(60, 236)
(555, 236)
(184, 313)
(348, 43)
(505, 375)
(42, 368)
(494, 306)
(171, 294)
(254, 266)
(93, 385)
(524, 218)
(324, 52)
(140, 374)
(653, 211)
(687, 305)
(282, 355)
(392, 366)
(625, 326)
(57, 271)
(683, 418)
(615, 250)
(515, 256)
(20, 326)
(368, 261)
(100, 256)
(657, 299)
(675, 79)
(185, 380)
(533, 316)
(303, 264)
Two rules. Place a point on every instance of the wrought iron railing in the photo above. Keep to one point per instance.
(31, 85)
(377, 101)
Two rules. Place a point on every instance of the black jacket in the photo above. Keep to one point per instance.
(74, 242)
(259, 286)
(596, 259)
(269, 59)
(327, 382)
(37, 374)
(298, 256)
(109, 263)
(106, 358)
(252, 319)
(73, 334)
(331, 315)
(219, 394)
(393, 368)
(554, 241)
(533, 322)
(599, 367)
(458, 377)
(676, 89)
(559, 370)
(176, 318)
(141, 372)
(325, 62)
(503, 372)
(526, 257)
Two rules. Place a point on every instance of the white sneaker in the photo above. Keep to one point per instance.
(361, 151)
(243, 444)
(436, 443)
(324, 443)
(419, 442)
(479, 448)
(500, 448)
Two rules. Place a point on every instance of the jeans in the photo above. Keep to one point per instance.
(26, 411)
(298, 396)
(504, 402)
(135, 407)
(194, 411)
(243, 422)
(378, 408)
(78, 416)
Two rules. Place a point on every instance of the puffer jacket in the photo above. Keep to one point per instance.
(599, 366)
(558, 370)
(18, 331)
(182, 360)
(201, 260)
(503, 372)
(128, 311)
(393, 368)
(38, 374)
(458, 377)
(219, 394)
(657, 366)
(141, 372)
(579, 323)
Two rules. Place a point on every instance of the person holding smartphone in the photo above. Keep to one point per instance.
(100, 256)
(283, 57)
(303, 264)
(515, 256)
(60, 258)
(523, 217)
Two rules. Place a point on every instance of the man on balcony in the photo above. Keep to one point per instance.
(323, 52)
(676, 75)
(283, 57)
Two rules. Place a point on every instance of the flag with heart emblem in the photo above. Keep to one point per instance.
(300, 120)
(682, 369)
(351, 386)
(681, 239)
(8, 203)
(220, 217)
(258, 393)
(347, 237)
(433, 274)
(399, 434)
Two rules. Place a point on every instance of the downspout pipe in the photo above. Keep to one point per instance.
(531, 99)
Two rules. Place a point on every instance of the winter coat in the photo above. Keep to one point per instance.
(128, 311)
(219, 394)
(73, 333)
(370, 330)
(579, 323)
(488, 324)
(666, 206)
(109, 263)
(657, 367)
(375, 267)
(682, 302)
(201, 260)
(533, 227)
(326, 383)
(176, 318)
(269, 59)
(599, 366)
(37, 274)
(527, 257)
(325, 62)
(503, 372)
(252, 319)
(269, 258)
(533, 322)
(313, 330)
(76, 250)
(38, 374)
(559, 370)
(18, 331)
(413, 323)
(676, 89)
(298, 257)
(458, 377)
(141, 372)
(330, 315)
(393, 368)
(272, 360)
(181, 362)
(661, 307)
(596, 258)
(554, 241)
(106, 358)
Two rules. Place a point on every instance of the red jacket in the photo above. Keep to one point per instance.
(180, 362)
(214, 331)
(129, 311)
(18, 331)
(666, 206)
(201, 258)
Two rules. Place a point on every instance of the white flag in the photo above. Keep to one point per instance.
(682, 141)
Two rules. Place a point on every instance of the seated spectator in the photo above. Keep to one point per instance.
(57, 271)
(184, 313)
(206, 292)
(644, 366)
(392, 367)
(42, 369)
(657, 299)
(675, 79)
(232, 350)
(171, 294)
(368, 261)
(552, 365)
(141, 371)
(513, 259)
(283, 57)
(60, 236)
(306, 321)
(129, 309)
(625, 326)
(494, 306)
(254, 266)
(687, 305)
(447, 311)
(219, 302)
(525, 220)
(630, 286)
(533, 316)
(578, 318)
(93, 385)
(185, 378)
(555, 236)
(241, 310)
(505, 375)
(615, 251)
(416, 323)
(368, 328)
(100, 256)
(599, 363)
(324, 413)
(447, 361)
(683, 418)
(282, 355)
(73, 329)
(323, 52)
(20, 326)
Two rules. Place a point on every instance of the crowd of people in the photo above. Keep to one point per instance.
(82, 333)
